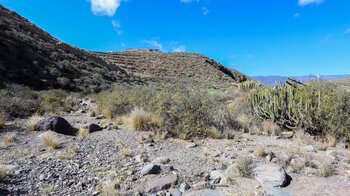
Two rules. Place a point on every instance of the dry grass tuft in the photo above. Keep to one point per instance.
(270, 127)
(51, 141)
(82, 132)
(260, 151)
(9, 138)
(244, 166)
(139, 120)
(2, 120)
(327, 170)
(300, 137)
(3, 172)
(126, 153)
(332, 141)
(32, 121)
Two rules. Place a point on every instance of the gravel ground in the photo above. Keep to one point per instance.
(108, 162)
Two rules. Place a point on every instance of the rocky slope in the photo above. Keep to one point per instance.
(176, 66)
(30, 56)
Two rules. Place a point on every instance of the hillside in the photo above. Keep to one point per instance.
(30, 56)
(174, 67)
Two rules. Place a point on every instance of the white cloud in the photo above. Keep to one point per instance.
(307, 2)
(105, 7)
(154, 43)
(188, 1)
(347, 31)
(180, 48)
(205, 11)
(117, 27)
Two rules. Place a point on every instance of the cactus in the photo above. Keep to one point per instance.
(248, 85)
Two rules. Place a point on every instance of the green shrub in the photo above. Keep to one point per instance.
(179, 110)
(319, 107)
(52, 101)
(18, 101)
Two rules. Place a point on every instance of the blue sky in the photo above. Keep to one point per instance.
(257, 37)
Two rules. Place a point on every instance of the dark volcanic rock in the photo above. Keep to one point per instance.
(93, 128)
(56, 124)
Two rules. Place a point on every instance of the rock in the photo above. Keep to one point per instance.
(310, 148)
(286, 135)
(159, 183)
(203, 192)
(271, 175)
(150, 169)
(93, 128)
(99, 117)
(175, 192)
(161, 160)
(166, 168)
(276, 192)
(56, 124)
(216, 176)
(336, 153)
(191, 145)
(184, 186)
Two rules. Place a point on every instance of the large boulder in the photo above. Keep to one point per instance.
(56, 124)
(271, 175)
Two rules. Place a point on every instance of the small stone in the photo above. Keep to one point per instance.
(271, 175)
(95, 193)
(216, 176)
(204, 192)
(175, 192)
(150, 169)
(159, 183)
(310, 148)
(93, 128)
(184, 186)
(191, 145)
(166, 168)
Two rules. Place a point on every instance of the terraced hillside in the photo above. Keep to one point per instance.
(30, 56)
(175, 67)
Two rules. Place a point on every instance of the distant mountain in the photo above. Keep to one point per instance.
(271, 80)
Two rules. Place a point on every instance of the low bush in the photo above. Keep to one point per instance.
(32, 121)
(177, 110)
(139, 120)
(51, 141)
(2, 120)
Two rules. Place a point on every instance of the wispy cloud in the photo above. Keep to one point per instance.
(117, 27)
(180, 48)
(308, 2)
(205, 11)
(347, 31)
(325, 40)
(104, 7)
(154, 44)
(188, 1)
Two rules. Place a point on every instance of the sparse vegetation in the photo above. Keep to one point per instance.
(48, 189)
(32, 121)
(51, 141)
(83, 132)
(9, 138)
(139, 120)
(3, 172)
(327, 170)
(260, 151)
(244, 166)
(126, 153)
(2, 120)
